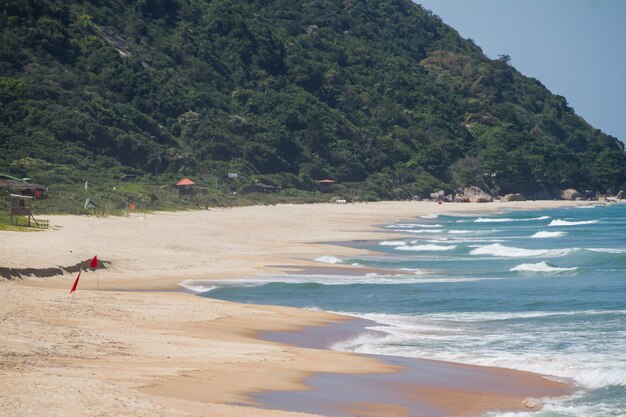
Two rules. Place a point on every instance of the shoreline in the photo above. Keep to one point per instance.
(432, 387)
(156, 254)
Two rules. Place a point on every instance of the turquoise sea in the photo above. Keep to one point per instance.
(541, 291)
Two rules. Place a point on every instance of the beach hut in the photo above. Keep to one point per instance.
(185, 187)
(22, 186)
(325, 185)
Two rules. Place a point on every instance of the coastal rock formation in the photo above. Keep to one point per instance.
(570, 194)
(531, 404)
(513, 197)
(438, 196)
(477, 195)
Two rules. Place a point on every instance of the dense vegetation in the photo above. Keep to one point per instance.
(377, 94)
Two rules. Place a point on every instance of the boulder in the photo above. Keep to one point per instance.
(476, 195)
(439, 195)
(513, 197)
(531, 404)
(570, 194)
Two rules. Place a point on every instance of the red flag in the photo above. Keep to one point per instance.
(75, 283)
(94, 262)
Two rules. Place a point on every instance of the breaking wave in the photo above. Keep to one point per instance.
(413, 277)
(427, 335)
(512, 252)
(543, 234)
(541, 267)
(421, 231)
(412, 225)
(505, 220)
(328, 260)
(392, 243)
(422, 248)
(606, 250)
(559, 222)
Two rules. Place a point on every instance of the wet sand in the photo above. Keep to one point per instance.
(416, 387)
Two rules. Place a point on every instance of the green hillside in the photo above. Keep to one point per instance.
(376, 94)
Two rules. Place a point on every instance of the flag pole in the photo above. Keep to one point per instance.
(94, 265)
(72, 300)
(68, 310)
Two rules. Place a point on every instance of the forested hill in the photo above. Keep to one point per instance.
(376, 92)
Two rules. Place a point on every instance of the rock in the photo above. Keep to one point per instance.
(477, 195)
(570, 194)
(513, 197)
(531, 404)
(439, 195)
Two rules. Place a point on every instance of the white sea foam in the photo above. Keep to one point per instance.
(560, 222)
(392, 243)
(423, 248)
(505, 220)
(607, 250)
(462, 240)
(459, 232)
(412, 225)
(197, 286)
(544, 235)
(574, 407)
(328, 260)
(499, 250)
(429, 216)
(421, 231)
(413, 277)
(541, 267)
(430, 336)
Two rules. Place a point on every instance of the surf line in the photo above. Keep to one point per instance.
(418, 386)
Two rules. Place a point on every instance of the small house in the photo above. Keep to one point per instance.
(185, 187)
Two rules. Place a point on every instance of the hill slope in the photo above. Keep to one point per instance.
(375, 91)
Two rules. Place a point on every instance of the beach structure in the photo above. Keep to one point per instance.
(186, 187)
(20, 208)
(22, 186)
(325, 184)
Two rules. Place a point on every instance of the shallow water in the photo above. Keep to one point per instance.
(540, 291)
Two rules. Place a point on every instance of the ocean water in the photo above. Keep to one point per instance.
(539, 291)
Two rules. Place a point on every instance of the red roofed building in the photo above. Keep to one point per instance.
(325, 185)
(185, 187)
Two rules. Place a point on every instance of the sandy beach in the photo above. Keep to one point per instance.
(136, 348)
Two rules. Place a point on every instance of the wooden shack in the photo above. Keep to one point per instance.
(186, 187)
(20, 208)
(22, 186)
